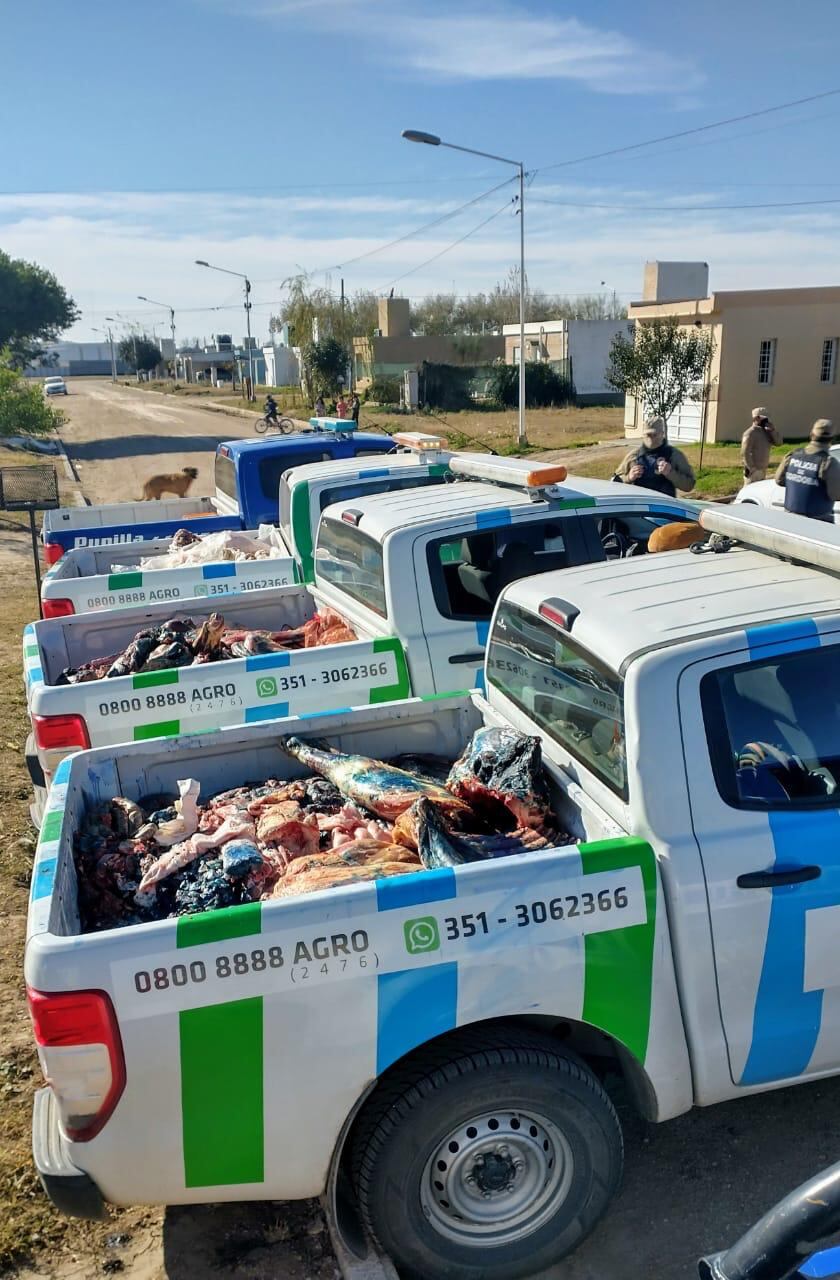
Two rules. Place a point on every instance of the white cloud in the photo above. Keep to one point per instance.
(496, 41)
(108, 249)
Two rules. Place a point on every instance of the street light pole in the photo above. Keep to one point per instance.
(199, 262)
(171, 310)
(110, 320)
(432, 140)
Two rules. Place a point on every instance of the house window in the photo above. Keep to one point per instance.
(767, 360)
(828, 364)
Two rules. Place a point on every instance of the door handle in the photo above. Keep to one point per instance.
(770, 879)
(475, 655)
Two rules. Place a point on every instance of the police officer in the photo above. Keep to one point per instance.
(655, 464)
(811, 476)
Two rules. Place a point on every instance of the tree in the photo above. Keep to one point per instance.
(660, 364)
(23, 407)
(325, 365)
(140, 353)
(34, 309)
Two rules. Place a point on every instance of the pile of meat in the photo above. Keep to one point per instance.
(187, 548)
(180, 642)
(356, 819)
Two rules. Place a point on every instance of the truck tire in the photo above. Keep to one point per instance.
(490, 1159)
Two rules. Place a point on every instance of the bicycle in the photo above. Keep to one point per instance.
(282, 425)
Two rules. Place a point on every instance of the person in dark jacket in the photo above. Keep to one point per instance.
(655, 464)
(811, 476)
(355, 408)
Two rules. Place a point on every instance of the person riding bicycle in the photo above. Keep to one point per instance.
(271, 408)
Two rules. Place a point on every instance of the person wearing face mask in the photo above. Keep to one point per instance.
(655, 464)
(756, 443)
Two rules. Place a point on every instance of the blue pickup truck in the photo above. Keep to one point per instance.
(247, 476)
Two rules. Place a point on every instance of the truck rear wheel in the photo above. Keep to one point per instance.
(492, 1162)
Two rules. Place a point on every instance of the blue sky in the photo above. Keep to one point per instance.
(265, 135)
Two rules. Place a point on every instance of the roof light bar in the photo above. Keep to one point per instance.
(518, 472)
(337, 425)
(419, 441)
(813, 542)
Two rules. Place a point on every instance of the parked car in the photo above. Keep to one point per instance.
(766, 493)
(55, 387)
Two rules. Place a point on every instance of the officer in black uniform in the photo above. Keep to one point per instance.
(811, 476)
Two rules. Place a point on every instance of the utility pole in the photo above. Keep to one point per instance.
(111, 345)
(199, 262)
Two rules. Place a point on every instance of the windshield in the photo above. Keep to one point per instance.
(225, 476)
(568, 693)
(351, 561)
(366, 487)
(272, 467)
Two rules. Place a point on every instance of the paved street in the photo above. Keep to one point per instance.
(118, 436)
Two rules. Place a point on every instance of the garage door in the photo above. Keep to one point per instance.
(686, 422)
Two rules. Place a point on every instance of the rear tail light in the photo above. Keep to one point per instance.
(52, 732)
(57, 608)
(53, 551)
(559, 612)
(81, 1056)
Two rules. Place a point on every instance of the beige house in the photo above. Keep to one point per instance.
(773, 347)
(394, 348)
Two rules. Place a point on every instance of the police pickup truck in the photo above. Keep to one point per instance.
(88, 579)
(435, 1050)
(415, 573)
(247, 476)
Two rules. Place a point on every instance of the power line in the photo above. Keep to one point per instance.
(409, 235)
(685, 133)
(454, 245)
(681, 208)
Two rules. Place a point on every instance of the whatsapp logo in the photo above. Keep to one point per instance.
(421, 935)
(266, 687)
(200, 591)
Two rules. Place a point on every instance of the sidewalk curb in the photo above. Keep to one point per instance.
(71, 473)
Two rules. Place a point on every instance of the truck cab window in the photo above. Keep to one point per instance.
(351, 561)
(224, 475)
(366, 488)
(626, 534)
(571, 696)
(469, 573)
(774, 731)
(272, 466)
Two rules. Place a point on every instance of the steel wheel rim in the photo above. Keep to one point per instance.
(496, 1178)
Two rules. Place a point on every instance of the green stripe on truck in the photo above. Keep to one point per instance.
(222, 1093)
(222, 1067)
(160, 729)
(51, 826)
(221, 925)
(124, 581)
(618, 980)
(402, 689)
(151, 678)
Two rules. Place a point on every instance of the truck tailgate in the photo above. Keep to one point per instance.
(204, 696)
(250, 1033)
(131, 585)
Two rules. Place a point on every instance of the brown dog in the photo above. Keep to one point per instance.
(676, 536)
(178, 482)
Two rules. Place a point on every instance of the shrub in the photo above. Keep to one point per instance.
(384, 390)
(544, 386)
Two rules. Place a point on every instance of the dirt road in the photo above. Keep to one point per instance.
(117, 437)
(690, 1185)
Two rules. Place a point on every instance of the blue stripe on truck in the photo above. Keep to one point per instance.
(493, 518)
(413, 890)
(272, 711)
(267, 661)
(414, 1006)
(210, 571)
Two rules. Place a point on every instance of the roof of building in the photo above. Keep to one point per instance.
(678, 596)
(730, 298)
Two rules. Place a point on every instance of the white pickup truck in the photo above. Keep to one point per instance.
(91, 578)
(415, 573)
(440, 1043)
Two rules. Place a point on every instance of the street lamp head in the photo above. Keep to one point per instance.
(417, 135)
(199, 262)
(141, 298)
(111, 318)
